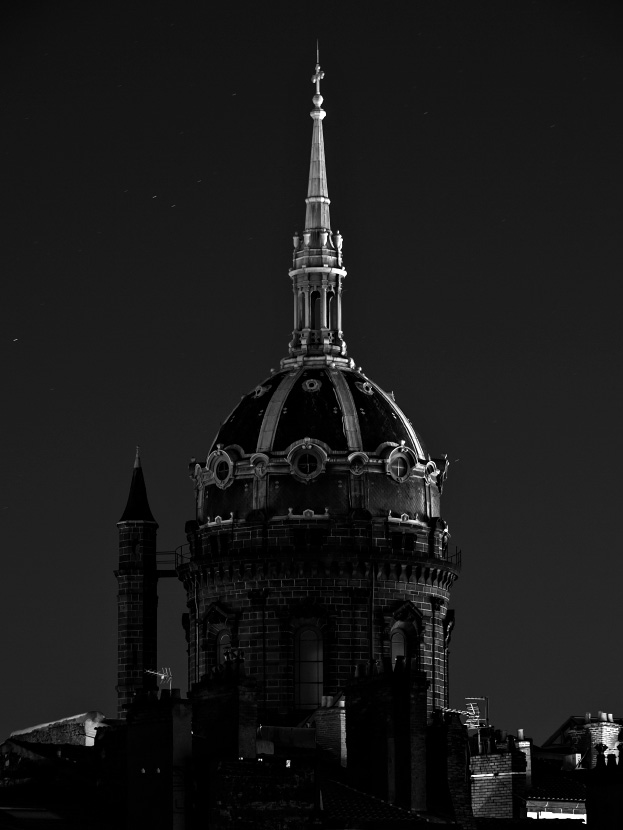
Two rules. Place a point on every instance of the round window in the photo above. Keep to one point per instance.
(311, 385)
(399, 466)
(307, 463)
(221, 470)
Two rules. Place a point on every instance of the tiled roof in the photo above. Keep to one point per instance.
(550, 783)
(343, 805)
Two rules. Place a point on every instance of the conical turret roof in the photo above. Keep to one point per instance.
(137, 509)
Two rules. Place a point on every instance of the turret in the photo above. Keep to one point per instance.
(137, 599)
(318, 548)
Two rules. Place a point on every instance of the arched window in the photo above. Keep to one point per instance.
(223, 644)
(314, 301)
(332, 310)
(300, 323)
(398, 645)
(308, 668)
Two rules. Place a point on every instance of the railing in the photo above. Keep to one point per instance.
(168, 561)
(182, 554)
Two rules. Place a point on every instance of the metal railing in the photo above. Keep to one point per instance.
(169, 560)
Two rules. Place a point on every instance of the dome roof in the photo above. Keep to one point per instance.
(317, 438)
(337, 407)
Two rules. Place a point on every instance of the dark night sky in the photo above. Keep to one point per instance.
(154, 168)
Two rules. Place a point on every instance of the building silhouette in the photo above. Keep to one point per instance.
(317, 574)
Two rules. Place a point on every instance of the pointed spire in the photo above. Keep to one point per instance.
(317, 212)
(137, 508)
(317, 271)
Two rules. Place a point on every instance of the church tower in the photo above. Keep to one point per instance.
(137, 599)
(318, 550)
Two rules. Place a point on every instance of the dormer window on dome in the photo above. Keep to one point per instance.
(220, 466)
(307, 460)
(358, 461)
(400, 463)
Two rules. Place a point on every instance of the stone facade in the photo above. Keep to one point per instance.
(498, 782)
(137, 607)
(79, 730)
(386, 735)
(354, 581)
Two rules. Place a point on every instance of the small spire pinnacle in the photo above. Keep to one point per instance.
(137, 508)
(317, 213)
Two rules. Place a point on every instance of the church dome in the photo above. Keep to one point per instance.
(318, 440)
(340, 409)
(318, 421)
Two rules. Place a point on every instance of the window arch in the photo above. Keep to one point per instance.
(398, 645)
(314, 302)
(300, 322)
(332, 310)
(308, 668)
(223, 645)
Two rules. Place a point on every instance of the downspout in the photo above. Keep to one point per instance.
(371, 612)
(264, 596)
(195, 579)
(433, 604)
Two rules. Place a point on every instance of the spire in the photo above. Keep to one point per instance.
(137, 508)
(317, 271)
(317, 213)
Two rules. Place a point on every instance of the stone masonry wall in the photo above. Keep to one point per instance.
(137, 603)
(498, 784)
(329, 570)
(330, 723)
(79, 730)
(603, 733)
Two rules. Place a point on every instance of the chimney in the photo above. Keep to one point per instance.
(525, 746)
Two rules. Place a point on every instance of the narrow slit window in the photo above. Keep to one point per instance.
(315, 309)
(308, 668)
(223, 645)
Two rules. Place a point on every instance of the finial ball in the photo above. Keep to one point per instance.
(317, 99)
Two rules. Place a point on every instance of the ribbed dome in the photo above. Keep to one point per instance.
(340, 408)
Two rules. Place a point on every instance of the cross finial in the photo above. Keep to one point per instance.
(317, 77)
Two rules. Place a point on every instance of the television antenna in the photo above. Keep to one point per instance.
(475, 719)
(164, 675)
